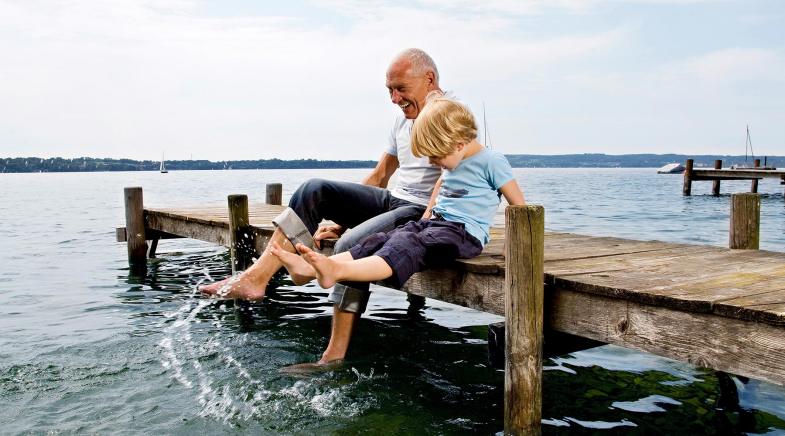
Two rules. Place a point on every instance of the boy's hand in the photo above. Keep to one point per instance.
(327, 232)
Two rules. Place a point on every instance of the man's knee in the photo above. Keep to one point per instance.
(311, 188)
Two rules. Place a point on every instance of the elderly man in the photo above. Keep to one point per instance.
(358, 209)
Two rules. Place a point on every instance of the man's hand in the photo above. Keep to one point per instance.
(327, 232)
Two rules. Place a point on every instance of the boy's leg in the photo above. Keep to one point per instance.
(299, 270)
(330, 270)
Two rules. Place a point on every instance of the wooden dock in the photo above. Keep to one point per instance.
(718, 174)
(710, 306)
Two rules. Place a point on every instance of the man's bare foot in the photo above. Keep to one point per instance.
(311, 368)
(236, 287)
(300, 271)
(212, 288)
(324, 267)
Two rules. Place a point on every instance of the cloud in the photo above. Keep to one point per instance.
(733, 65)
(130, 78)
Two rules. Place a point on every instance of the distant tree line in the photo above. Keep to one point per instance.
(597, 160)
(589, 160)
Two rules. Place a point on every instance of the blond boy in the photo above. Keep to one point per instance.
(456, 222)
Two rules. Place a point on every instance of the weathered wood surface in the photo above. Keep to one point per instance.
(735, 296)
(697, 278)
(735, 174)
(744, 231)
(135, 227)
(524, 298)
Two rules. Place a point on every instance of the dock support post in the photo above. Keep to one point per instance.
(687, 189)
(744, 222)
(134, 225)
(754, 183)
(242, 246)
(715, 185)
(523, 307)
(274, 194)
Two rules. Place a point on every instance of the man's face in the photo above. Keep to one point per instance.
(408, 90)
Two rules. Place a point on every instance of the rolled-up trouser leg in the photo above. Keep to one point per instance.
(353, 296)
(347, 204)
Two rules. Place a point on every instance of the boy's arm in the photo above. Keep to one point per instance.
(432, 202)
(512, 193)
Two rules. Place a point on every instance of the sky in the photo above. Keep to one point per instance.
(245, 79)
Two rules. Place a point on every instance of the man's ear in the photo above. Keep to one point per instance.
(431, 78)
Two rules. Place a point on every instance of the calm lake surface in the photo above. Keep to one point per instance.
(87, 348)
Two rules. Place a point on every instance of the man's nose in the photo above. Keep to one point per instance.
(395, 96)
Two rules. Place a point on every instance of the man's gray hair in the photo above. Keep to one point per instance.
(421, 62)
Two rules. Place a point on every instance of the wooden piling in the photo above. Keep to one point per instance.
(744, 222)
(523, 287)
(274, 193)
(241, 248)
(754, 182)
(134, 225)
(687, 188)
(715, 184)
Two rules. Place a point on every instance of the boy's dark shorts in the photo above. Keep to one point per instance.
(418, 245)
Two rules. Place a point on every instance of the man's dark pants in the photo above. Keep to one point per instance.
(365, 210)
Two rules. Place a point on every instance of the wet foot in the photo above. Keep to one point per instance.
(300, 271)
(212, 288)
(311, 368)
(237, 287)
(326, 269)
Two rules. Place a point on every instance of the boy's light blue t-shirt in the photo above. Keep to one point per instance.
(469, 193)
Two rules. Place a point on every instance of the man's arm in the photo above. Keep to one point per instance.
(380, 175)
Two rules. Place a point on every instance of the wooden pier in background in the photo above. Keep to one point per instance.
(718, 174)
(714, 307)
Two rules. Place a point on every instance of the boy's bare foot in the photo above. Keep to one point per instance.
(324, 267)
(235, 287)
(300, 271)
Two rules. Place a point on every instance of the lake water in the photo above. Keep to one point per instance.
(88, 348)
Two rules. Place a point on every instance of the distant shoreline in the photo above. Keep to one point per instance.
(588, 160)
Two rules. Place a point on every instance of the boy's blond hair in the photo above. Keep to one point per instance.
(441, 126)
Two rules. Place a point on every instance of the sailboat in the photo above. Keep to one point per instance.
(747, 151)
(163, 165)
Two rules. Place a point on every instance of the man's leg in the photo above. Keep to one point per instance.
(251, 284)
(350, 300)
(345, 203)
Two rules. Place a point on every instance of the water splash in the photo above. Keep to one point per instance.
(237, 394)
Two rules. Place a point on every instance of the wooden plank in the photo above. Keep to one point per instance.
(742, 172)
(740, 347)
(210, 231)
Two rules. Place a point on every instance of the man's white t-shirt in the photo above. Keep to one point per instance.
(416, 176)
